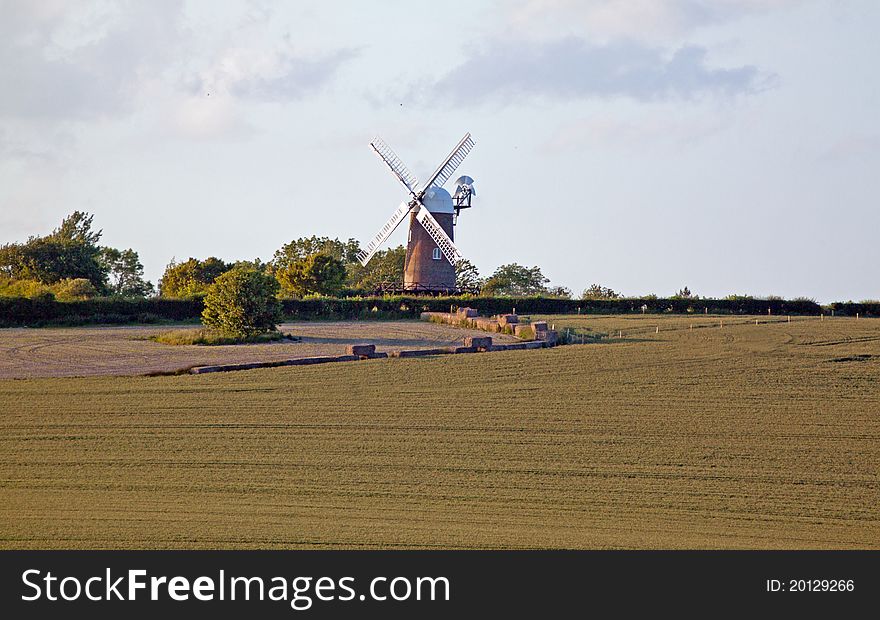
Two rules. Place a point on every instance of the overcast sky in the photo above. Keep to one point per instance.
(732, 146)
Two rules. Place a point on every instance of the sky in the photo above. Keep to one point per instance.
(730, 146)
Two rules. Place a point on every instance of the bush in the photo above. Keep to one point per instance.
(864, 308)
(31, 289)
(74, 289)
(209, 337)
(242, 303)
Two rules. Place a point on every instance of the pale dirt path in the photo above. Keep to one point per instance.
(125, 350)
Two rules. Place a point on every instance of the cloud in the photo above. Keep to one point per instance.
(507, 71)
(662, 128)
(269, 75)
(73, 61)
(656, 21)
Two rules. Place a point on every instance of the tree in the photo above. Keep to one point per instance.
(126, 273)
(467, 276)
(560, 292)
(385, 266)
(514, 280)
(191, 277)
(318, 273)
(74, 290)
(597, 291)
(77, 228)
(69, 252)
(300, 249)
(242, 303)
(684, 293)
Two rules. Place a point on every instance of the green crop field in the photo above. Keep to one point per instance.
(746, 436)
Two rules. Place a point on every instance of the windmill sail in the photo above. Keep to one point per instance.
(439, 235)
(395, 164)
(450, 164)
(390, 226)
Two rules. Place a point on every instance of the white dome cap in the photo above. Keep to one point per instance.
(437, 200)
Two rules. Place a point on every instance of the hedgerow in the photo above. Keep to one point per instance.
(16, 311)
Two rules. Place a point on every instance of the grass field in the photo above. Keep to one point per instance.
(745, 436)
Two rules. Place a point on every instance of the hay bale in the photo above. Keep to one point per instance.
(550, 336)
(539, 326)
(508, 319)
(478, 342)
(466, 313)
(524, 331)
(362, 350)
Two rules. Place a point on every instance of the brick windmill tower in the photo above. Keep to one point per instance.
(430, 252)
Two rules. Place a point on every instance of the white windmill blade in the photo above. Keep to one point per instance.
(395, 164)
(433, 228)
(449, 165)
(390, 226)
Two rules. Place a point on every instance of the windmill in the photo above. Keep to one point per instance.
(431, 254)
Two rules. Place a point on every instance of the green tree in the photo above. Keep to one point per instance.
(125, 272)
(242, 303)
(560, 292)
(597, 291)
(318, 273)
(300, 249)
(69, 252)
(467, 276)
(74, 289)
(385, 266)
(77, 228)
(514, 280)
(191, 277)
(684, 293)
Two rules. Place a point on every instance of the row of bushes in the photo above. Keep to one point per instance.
(37, 312)
(849, 308)
(20, 311)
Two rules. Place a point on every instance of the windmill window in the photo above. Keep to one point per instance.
(436, 254)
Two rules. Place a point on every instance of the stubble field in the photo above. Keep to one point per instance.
(744, 436)
(126, 350)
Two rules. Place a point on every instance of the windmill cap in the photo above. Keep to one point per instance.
(437, 200)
